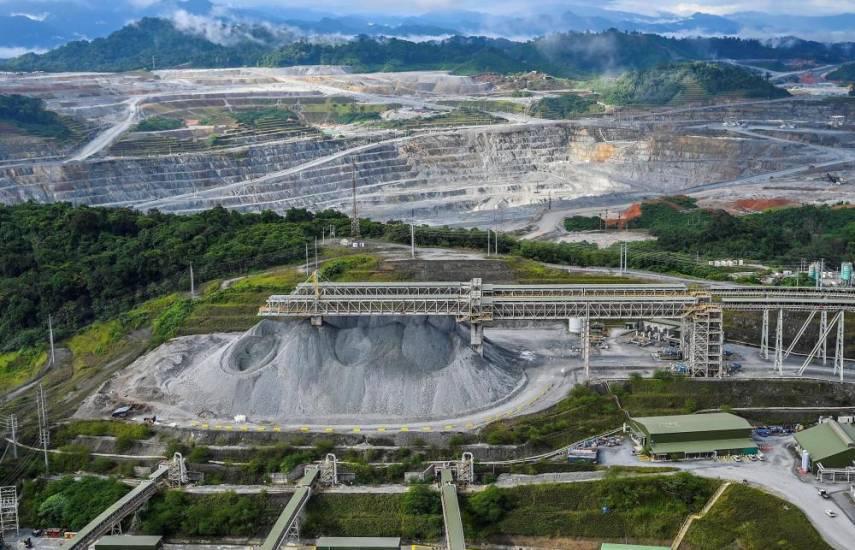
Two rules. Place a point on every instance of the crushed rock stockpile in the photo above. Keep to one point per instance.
(381, 368)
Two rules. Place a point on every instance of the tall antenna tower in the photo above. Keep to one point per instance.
(44, 431)
(354, 220)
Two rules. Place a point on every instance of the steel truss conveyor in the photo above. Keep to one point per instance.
(699, 309)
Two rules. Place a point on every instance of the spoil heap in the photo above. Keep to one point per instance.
(370, 368)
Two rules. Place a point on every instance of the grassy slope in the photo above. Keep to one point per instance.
(586, 412)
(749, 519)
(649, 509)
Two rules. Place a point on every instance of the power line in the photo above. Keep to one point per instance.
(44, 430)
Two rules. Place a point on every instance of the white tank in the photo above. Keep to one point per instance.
(574, 325)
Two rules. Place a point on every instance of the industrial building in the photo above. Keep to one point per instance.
(691, 436)
(829, 443)
(358, 543)
(126, 542)
(614, 546)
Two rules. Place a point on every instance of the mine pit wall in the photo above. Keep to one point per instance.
(128, 181)
(436, 176)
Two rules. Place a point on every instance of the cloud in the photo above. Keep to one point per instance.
(726, 7)
(8, 53)
(31, 16)
(212, 29)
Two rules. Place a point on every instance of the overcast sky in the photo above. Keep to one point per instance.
(720, 7)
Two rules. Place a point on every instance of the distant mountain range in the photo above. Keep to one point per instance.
(162, 43)
(38, 26)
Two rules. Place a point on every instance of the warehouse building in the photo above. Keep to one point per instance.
(829, 443)
(691, 436)
(358, 543)
(129, 542)
(612, 546)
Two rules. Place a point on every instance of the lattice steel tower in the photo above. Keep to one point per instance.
(354, 220)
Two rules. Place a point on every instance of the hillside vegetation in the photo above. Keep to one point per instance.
(156, 41)
(83, 264)
(29, 115)
(687, 82)
(763, 520)
(845, 73)
(783, 235)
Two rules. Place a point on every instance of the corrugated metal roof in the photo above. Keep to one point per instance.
(827, 439)
(128, 541)
(358, 542)
(706, 446)
(612, 546)
(686, 423)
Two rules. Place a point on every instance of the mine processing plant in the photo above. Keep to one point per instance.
(700, 311)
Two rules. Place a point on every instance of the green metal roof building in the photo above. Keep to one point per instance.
(358, 543)
(693, 435)
(612, 546)
(829, 443)
(125, 542)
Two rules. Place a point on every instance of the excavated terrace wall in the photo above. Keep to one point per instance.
(437, 176)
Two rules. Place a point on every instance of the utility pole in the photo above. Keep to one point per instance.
(192, 283)
(44, 431)
(412, 240)
(496, 242)
(13, 427)
(50, 336)
(488, 243)
(316, 253)
(307, 257)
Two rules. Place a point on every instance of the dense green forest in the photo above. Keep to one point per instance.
(686, 82)
(156, 43)
(29, 114)
(67, 502)
(159, 124)
(566, 106)
(783, 235)
(81, 264)
(845, 73)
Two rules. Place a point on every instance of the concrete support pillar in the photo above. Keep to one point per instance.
(317, 320)
(586, 345)
(764, 336)
(779, 343)
(823, 342)
(840, 348)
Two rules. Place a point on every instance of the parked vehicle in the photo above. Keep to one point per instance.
(824, 494)
(831, 513)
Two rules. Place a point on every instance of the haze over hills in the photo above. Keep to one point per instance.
(28, 26)
(161, 43)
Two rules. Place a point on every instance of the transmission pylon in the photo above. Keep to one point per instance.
(50, 335)
(354, 220)
(13, 429)
(8, 509)
(44, 430)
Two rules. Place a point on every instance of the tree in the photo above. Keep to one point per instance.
(52, 510)
(489, 506)
(421, 500)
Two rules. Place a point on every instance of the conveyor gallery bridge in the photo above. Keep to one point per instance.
(699, 309)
